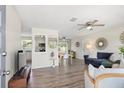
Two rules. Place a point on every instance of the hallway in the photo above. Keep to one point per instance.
(69, 75)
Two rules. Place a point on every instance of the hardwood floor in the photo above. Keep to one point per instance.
(70, 75)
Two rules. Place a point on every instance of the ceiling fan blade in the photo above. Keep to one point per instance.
(81, 28)
(94, 21)
(99, 25)
(81, 24)
(91, 22)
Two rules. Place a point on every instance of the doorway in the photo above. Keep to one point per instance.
(26, 44)
(64, 49)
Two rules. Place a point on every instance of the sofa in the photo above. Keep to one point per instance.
(105, 78)
(102, 59)
(20, 78)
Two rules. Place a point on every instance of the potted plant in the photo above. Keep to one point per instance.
(122, 51)
(122, 56)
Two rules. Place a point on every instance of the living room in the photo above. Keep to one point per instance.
(90, 44)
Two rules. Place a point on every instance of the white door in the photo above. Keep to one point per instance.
(2, 45)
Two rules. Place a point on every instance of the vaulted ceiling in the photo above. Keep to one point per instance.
(58, 17)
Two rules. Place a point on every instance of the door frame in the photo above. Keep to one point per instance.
(3, 42)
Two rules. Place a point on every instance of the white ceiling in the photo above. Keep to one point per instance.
(57, 17)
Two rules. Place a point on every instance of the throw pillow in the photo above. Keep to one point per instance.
(114, 57)
(91, 70)
(101, 67)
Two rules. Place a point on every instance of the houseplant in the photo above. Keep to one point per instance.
(121, 50)
(122, 56)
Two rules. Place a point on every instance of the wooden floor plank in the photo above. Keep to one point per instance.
(69, 75)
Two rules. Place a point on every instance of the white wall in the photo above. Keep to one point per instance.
(112, 36)
(42, 59)
(13, 29)
(78, 50)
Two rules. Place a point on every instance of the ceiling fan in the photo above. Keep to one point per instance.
(89, 25)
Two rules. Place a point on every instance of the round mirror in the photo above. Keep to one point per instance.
(77, 44)
(101, 43)
(122, 37)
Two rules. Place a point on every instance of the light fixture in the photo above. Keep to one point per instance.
(63, 38)
(89, 46)
(89, 27)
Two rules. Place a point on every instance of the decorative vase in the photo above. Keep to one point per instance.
(122, 61)
(122, 56)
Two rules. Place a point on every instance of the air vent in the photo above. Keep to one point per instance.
(73, 19)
